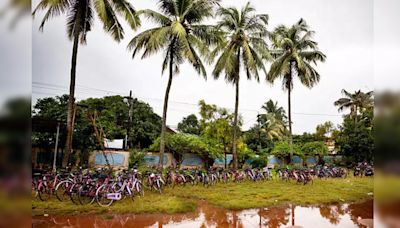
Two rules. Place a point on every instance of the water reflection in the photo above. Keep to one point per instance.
(337, 215)
(332, 212)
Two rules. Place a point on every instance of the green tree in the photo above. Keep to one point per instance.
(181, 143)
(244, 48)
(113, 114)
(294, 52)
(283, 150)
(216, 125)
(271, 107)
(49, 108)
(257, 140)
(356, 140)
(79, 22)
(112, 119)
(189, 125)
(271, 126)
(357, 102)
(324, 130)
(182, 36)
(315, 148)
(304, 138)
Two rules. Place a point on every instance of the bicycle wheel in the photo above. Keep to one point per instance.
(44, 193)
(63, 190)
(157, 186)
(74, 193)
(139, 189)
(101, 195)
(86, 194)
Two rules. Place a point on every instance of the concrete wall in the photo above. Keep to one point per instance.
(153, 159)
(191, 161)
(117, 159)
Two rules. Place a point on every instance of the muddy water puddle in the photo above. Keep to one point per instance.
(337, 215)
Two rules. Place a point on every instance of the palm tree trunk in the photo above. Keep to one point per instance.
(235, 128)
(71, 103)
(164, 119)
(290, 124)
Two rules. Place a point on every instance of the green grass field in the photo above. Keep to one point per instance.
(233, 196)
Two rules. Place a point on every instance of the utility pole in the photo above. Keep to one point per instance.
(128, 128)
(56, 148)
(259, 131)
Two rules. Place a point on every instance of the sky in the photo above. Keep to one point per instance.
(344, 30)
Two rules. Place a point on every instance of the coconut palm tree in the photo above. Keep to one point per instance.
(243, 49)
(79, 22)
(182, 36)
(294, 53)
(356, 102)
(277, 111)
(272, 127)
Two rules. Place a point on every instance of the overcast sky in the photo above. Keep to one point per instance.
(344, 32)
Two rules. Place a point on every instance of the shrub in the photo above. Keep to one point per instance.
(136, 157)
(315, 148)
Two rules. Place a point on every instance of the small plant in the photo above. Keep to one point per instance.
(136, 157)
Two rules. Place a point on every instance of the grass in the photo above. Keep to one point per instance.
(151, 203)
(273, 193)
(229, 196)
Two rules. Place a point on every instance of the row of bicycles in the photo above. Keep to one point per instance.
(307, 175)
(84, 187)
(104, 186)
(213, 176)
(363, 169)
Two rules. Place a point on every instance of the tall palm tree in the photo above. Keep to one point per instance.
(294, 53)
(182, 36)
(244, 49)
(277, 111)
(79, 22)
(356, 102)
(272, 127)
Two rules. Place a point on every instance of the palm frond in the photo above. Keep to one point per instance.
(168, 7)
(54, 9)
(124, 8)
(156, 17)
(107, 15)
(79, 19)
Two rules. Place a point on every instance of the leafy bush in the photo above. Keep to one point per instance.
(260, 161)
(179, 144)
(282, 150)
(136, 157)
(315, 148)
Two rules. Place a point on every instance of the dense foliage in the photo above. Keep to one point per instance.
(112, 118)
(314, 148)
(356, 140)
(179, 144)
(282, 150)
(189, 125)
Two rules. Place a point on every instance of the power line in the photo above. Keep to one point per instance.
(42, 85)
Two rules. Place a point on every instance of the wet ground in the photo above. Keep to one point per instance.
(337, 215)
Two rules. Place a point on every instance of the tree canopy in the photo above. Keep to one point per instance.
(112, 118)
(282, 149)
(189, 125)
(314, 148)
